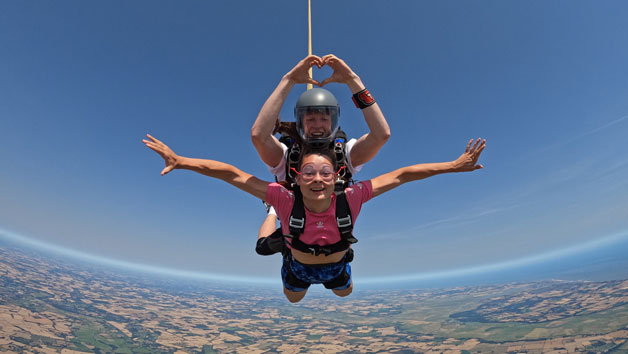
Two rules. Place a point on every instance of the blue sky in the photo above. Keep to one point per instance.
(546, 83)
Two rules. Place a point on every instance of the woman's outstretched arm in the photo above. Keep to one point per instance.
(216, 169)
(467, 162)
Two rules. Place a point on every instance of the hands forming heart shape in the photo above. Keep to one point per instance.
(342, 72)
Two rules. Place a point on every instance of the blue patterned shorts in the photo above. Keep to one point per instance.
(314, 274)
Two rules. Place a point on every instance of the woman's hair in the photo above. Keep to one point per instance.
(289, 129)
(327, 153)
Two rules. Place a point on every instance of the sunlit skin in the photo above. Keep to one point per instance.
(316, 124)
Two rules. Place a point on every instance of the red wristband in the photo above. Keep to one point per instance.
(363, 99)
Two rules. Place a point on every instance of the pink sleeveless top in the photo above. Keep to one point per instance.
(320, 228)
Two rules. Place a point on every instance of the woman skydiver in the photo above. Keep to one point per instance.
(315, 182)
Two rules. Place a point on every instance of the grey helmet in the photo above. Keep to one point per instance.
(317, 99)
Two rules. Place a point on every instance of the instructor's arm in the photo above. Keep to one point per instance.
(369, 144)
(267, 146)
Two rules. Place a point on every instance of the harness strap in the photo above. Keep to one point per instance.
(291, 278)
(338, 281)
(293, 156)
(297, 216)
(318, 250)
(296, 225)
(344, 178)
(343, 218)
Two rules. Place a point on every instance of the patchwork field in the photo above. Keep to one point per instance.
(55, 306)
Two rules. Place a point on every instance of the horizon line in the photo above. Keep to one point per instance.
(413, 277)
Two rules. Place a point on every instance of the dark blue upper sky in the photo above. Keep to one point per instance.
(546, 83)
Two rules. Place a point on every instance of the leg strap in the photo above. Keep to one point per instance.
(338, 281)
(349, 255)
(344, 277)
(292, 279)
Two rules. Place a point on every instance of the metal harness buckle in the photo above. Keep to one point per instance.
(296, 223)
(319, 251)
(344, 222)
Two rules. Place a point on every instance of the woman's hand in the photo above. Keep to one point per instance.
(468, 161)
(170, 158)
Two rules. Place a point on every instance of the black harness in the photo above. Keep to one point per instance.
(343, 220)
(293, 158)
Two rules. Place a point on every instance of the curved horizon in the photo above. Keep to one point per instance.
(411, 277)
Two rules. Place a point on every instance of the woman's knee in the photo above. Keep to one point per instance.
(344, 292)
(294, 296)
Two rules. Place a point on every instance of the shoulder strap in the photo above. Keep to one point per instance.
(297, 225)
(297, 216)
(292, 161)
(340, 149)
(343, 218)
(292, 140)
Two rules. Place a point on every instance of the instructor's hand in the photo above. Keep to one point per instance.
(342, 72)
(300, 73)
